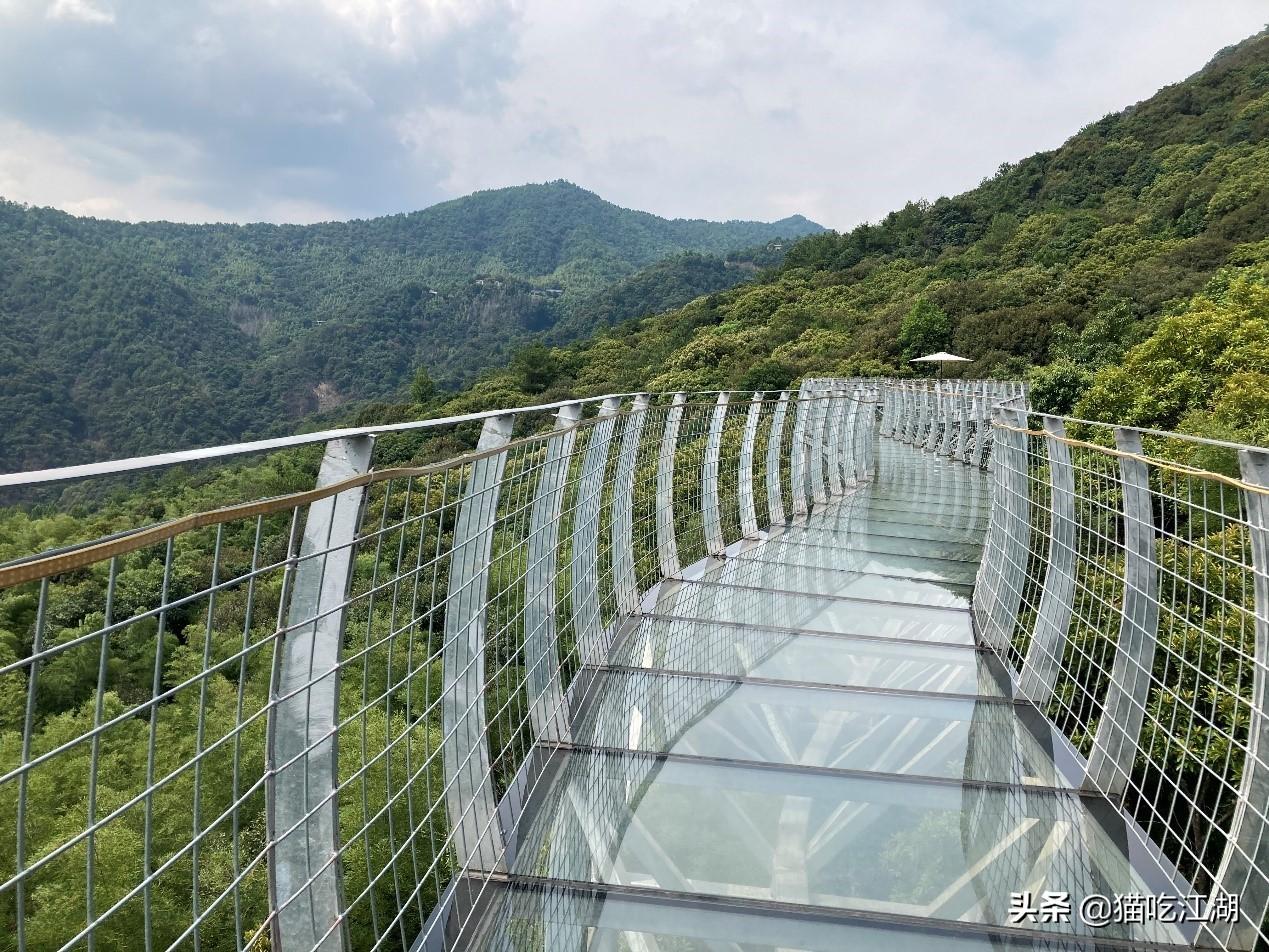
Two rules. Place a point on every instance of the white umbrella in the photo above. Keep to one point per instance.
(942, 357)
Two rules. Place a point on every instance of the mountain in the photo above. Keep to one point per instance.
(1106, 251)
(122, 338)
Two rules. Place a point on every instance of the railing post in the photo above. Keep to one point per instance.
(584, 563)
(1004, 565)
(864, 438)
(901, 434)
(775, 439)
(625, 585)
(910, 414)
(914, 415)
(748, 511)
(968, 409)
(541, 640)
(949, 417)
(303, 814)
(667, 546)
(982, 432)
(714, 543)
(962, 429)
(1053, 617)
(469, 794)
(831, 451)
(934, 407)
(1124, 709)
(797, 464)
(817, 454)
(1244, 867)
(852, 460)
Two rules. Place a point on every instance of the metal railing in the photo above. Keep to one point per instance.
(309, 721)
(1124, 581)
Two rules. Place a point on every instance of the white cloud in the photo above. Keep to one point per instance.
(247, 109)
(841, 111)
(83, 11)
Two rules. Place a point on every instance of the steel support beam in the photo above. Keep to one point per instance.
(834, 409)
(1244, 868)
(817, 455)
(584, 563)
(625, 585)
(548, 714)
(1124, 709)
(744, 488)
(303, 807)
(667, 546)
(710, 511)
(775, 440)
(1057, 601)
(797, 465)
(469, 793)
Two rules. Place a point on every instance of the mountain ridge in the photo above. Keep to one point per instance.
(119, 337)
(1059, 266)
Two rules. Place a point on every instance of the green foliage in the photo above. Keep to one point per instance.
(422, 387)
(126, 338)
(535, 367)
(1126, 268)
(1057, 387)
(1205, 369)
(926, 329)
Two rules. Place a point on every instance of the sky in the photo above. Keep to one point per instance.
(310, 110)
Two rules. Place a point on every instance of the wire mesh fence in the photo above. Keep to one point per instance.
(1124, 580)
(309, 721)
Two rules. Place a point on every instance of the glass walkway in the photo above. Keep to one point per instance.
(867, 665)
(803, 747)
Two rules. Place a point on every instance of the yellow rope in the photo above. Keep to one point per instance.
(1180, 468)
(39, 568)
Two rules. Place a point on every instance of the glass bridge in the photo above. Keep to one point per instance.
(866, 665)
(804, 747)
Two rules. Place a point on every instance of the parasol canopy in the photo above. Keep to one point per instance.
(942, 357)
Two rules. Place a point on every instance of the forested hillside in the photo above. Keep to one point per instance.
(121, 338)
(1152, 221)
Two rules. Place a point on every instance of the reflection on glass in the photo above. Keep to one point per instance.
(846, 730)
(875, 618)
(711, 648)
(543, 918)
(907, 848)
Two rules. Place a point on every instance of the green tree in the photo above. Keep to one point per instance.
(926, 329)
(423, 387)
(536, 366)
(1205, 369)
(1057, 387)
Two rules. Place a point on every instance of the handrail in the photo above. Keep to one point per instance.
(1129, 595)
(337, 695)
(312, 721)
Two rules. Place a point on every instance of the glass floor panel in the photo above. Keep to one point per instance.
(948, 512)
(810, 727)
(554, 918)
(814, 581)
(845, 560)
(923, 849)
(845, 532)
(879, 619)
(957, 503)
(881, 542)
(742, 651)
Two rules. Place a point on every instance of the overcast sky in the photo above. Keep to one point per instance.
(303, 110)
